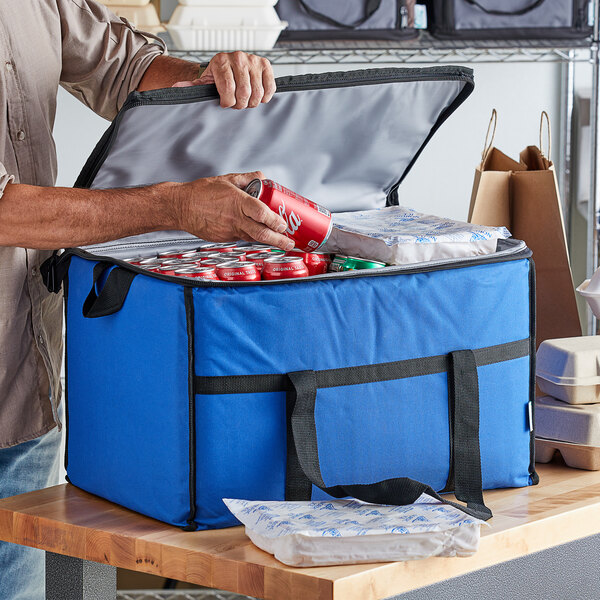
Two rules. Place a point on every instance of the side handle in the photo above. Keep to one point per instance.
(113, 294)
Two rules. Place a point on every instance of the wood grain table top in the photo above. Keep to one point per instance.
(564, 507)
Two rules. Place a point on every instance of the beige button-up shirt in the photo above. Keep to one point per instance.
(99, 59)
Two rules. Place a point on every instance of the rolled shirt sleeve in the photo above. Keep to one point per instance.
(103, 56)
(5, 179)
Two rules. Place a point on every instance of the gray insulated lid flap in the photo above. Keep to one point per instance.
(345, 140)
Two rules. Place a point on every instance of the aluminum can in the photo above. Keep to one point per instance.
(214, 261)
(167, 269)
(354, 263)
(149, 261)
(253, 248)
(205, 254)
(309, 224)
(284, 267)
(317, 263)
(170, 254)
(258, 258)
(202, 273)
(234, 255)
(238, 271)
(337, 264)
(220, 247)
(133, 260)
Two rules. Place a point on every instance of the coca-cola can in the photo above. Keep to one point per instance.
(253, 248)
(220, 247)
(234, 255)
(169, 254)
(308, 223)
(167, 269)
(317, 263)
(258, 258)
(149, 261)
(214, 261)
(200, 255)
(202, 273)
(133, 260)
(284, 267)
(238, 271)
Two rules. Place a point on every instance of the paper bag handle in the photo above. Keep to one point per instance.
(487, 145)
(545, 116)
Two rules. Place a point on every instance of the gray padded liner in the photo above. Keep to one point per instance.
(341, 10)
(343, 148)
(551, 13)
(344, 145)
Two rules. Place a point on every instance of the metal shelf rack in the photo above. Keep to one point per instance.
(427, 50)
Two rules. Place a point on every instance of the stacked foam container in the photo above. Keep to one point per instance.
(567, 420)
(140, 13)
(225, 25)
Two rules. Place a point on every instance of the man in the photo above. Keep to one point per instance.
(97, 57)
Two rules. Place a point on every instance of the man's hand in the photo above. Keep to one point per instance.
(217, 209)
(242, 80)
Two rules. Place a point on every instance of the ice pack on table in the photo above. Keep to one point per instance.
(335, 532)
(397, 235)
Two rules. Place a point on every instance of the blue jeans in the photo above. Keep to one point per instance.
(23, 468)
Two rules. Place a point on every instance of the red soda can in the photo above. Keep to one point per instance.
(202, 273)
(133, 260)
(308, 224)
(317, 263)
(167, 269)
(253, 248)
(234, 255)
(238, 271)
(258, 258)
(221, 247)
(205, 254)
(214, 261)
(171, 254)
(284, 267)
(149, 262)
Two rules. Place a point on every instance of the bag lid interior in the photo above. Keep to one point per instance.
(345, 139)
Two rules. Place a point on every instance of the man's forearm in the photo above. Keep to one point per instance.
(165, 71)
(50, 218)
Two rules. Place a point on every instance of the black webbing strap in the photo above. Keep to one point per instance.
(112, 296)
(463, 388)
(412, 367)
(505, 13)
(54, 270)
(304, 467)
(370, 10)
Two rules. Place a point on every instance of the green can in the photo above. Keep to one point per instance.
(338, 262)
(353, 263)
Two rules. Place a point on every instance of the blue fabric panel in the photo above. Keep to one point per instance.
(348, 322)
(365, 432)
(241, 450)
(128, 397)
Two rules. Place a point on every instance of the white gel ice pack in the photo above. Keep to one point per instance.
(397, 236)
(336, 532)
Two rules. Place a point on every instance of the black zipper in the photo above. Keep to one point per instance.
(202, 93)
(382, 272)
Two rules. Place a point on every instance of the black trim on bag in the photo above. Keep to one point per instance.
(292, 83)
(532, 325)
(412, 367)
(189, 320)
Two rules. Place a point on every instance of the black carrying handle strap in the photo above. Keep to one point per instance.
(303, 467)
(371, 8)
(112, 296)
(54, 270)
(507, 13)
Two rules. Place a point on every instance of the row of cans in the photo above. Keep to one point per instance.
(229, 262)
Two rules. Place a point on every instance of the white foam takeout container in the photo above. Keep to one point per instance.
(569, 369)
(227, 25)
(575, 424)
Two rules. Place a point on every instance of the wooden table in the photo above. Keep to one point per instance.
(68, 522)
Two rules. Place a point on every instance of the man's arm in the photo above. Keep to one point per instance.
(214, 208)
(242, 80)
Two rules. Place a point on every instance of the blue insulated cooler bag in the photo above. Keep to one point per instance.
(378, 384)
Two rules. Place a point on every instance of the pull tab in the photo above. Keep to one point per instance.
(487, 146)
(545, 116)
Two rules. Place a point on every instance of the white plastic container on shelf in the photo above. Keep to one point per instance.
(142, 17)
(225, 25)
(569, 369)
(590, 290)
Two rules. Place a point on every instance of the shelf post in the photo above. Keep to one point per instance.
(594, 202)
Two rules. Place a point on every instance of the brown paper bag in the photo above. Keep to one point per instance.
(523, 197)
